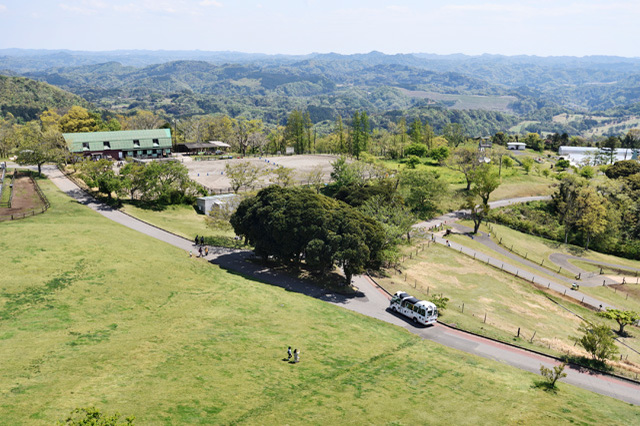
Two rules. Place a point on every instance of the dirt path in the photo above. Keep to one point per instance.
(25, 197)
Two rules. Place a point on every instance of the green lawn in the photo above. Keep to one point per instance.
(92, 313)
(476, 290)
(185, 221)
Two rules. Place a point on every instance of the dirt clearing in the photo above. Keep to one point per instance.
(212, 175)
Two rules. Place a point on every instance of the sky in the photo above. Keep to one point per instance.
(543, 27)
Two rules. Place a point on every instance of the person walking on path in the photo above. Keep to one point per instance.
(197, 239)
(289, 353)
(206, 251)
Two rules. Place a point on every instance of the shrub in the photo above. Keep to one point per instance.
(417, 149)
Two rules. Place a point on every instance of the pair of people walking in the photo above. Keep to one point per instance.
(296, 355)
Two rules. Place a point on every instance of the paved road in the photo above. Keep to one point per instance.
(371, 301)
(592, 279)
(559, 283)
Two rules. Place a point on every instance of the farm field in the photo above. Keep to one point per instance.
(93, 313)
(489, 103)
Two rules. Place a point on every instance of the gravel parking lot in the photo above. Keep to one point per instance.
(211, 174)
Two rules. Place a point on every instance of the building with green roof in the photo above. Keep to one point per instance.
(120, 144)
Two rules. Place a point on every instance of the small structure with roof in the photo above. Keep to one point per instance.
(223, 202)
(211, 147)
(152, 143)
(516, 146)
(581, 155)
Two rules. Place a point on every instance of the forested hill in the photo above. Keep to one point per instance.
(490, 92)
(589, 84)
(26, 99)
(304, 78)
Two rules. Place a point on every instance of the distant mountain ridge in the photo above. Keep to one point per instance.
(184, 83)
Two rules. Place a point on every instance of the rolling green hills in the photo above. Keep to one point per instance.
(26, 98)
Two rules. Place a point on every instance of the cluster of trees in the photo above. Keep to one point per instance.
(604, 216)
(159, 183)
(295, 224)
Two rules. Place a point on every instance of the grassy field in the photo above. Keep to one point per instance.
(185, 221)
(476, 290)
(538, 249)
(519, 128)
(92, 313)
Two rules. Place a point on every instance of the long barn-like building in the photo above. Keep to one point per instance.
(120, 144)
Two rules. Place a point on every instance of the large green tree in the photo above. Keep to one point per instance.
(623, 318)
(566, 202)
(78, 119)
(484, 181)
(292, 224)
(454, 134)
(244, 130)
(422, 190)
(35, 147)
(359, 135)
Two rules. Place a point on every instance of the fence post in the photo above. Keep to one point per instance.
(463, 307)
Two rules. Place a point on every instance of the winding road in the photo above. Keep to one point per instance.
(370, 301)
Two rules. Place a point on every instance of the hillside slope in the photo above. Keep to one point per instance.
(26, 98)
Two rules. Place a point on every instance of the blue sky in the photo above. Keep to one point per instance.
(544, 27)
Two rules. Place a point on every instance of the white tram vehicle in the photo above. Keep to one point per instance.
(420, 311)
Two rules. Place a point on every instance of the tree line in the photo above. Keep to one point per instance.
(601, 215)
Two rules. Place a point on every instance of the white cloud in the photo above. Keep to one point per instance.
(3, 7)
(82, 9)
(210, 3)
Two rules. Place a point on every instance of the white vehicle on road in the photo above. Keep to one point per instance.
(420, 311)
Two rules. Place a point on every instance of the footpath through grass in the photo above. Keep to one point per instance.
(92, 313)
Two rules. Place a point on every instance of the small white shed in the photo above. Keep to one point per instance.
(205, 204)
(516, 146)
